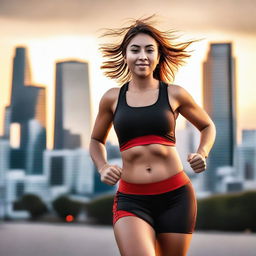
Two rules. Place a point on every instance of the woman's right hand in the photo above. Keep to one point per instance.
(110, 174)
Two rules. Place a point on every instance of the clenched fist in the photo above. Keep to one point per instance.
(197, 162)
(110, 174)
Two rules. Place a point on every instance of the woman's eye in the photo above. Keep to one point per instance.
(138, 51)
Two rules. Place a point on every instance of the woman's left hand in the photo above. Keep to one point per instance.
(197, 162)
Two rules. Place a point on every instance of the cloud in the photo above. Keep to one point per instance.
(88, 15)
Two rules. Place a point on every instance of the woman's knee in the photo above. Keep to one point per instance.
(134, 236)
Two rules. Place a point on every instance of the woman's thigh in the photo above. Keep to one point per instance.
(134, 237)
(176, 211)
(173, 244)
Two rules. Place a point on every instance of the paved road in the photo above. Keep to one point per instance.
(40, 239)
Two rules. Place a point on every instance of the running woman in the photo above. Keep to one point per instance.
(155, 207)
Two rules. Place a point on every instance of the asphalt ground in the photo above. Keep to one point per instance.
(70, 239)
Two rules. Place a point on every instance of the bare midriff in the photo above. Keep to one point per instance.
(150, 163)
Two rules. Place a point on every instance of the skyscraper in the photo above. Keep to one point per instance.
(7, 122)
(36, 143)
(219, 100)
(246, 159)
(27, 103)
(20, 77)
(4, 165)
(72, 106)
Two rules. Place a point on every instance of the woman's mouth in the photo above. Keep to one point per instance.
(142, 65)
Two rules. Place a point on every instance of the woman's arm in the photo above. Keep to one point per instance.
(100, 131)
(109, 174)
(201, 120)
(207, 139)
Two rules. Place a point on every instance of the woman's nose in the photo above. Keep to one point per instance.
(142, 55)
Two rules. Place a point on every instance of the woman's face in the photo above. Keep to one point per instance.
(142, 55)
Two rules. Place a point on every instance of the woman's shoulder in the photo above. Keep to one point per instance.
(179, 94)
(109, 97)
(175, 90)
(111, 93)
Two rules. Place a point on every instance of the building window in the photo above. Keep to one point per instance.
(19, 189)
(248, 171)
(57, 171)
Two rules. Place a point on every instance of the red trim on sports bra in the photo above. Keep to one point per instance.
(147, 139)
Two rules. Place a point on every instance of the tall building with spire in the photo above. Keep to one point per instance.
(72, 106)
(20, 77)
(27, 104)
(219, 100)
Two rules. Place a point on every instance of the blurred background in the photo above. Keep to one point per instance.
(50, 88)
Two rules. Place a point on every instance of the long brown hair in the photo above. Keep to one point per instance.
(171, 55)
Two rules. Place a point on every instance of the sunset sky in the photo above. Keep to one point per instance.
(54, 30)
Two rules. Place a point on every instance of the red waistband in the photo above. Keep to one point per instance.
(159, 187)
(147, 139)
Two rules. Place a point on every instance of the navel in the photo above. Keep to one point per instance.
(148, 169)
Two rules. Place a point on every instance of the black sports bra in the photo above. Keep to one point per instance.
(151, 124)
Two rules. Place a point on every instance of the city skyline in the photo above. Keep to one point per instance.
(182, 78)
(63, 36)
(68, 168)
